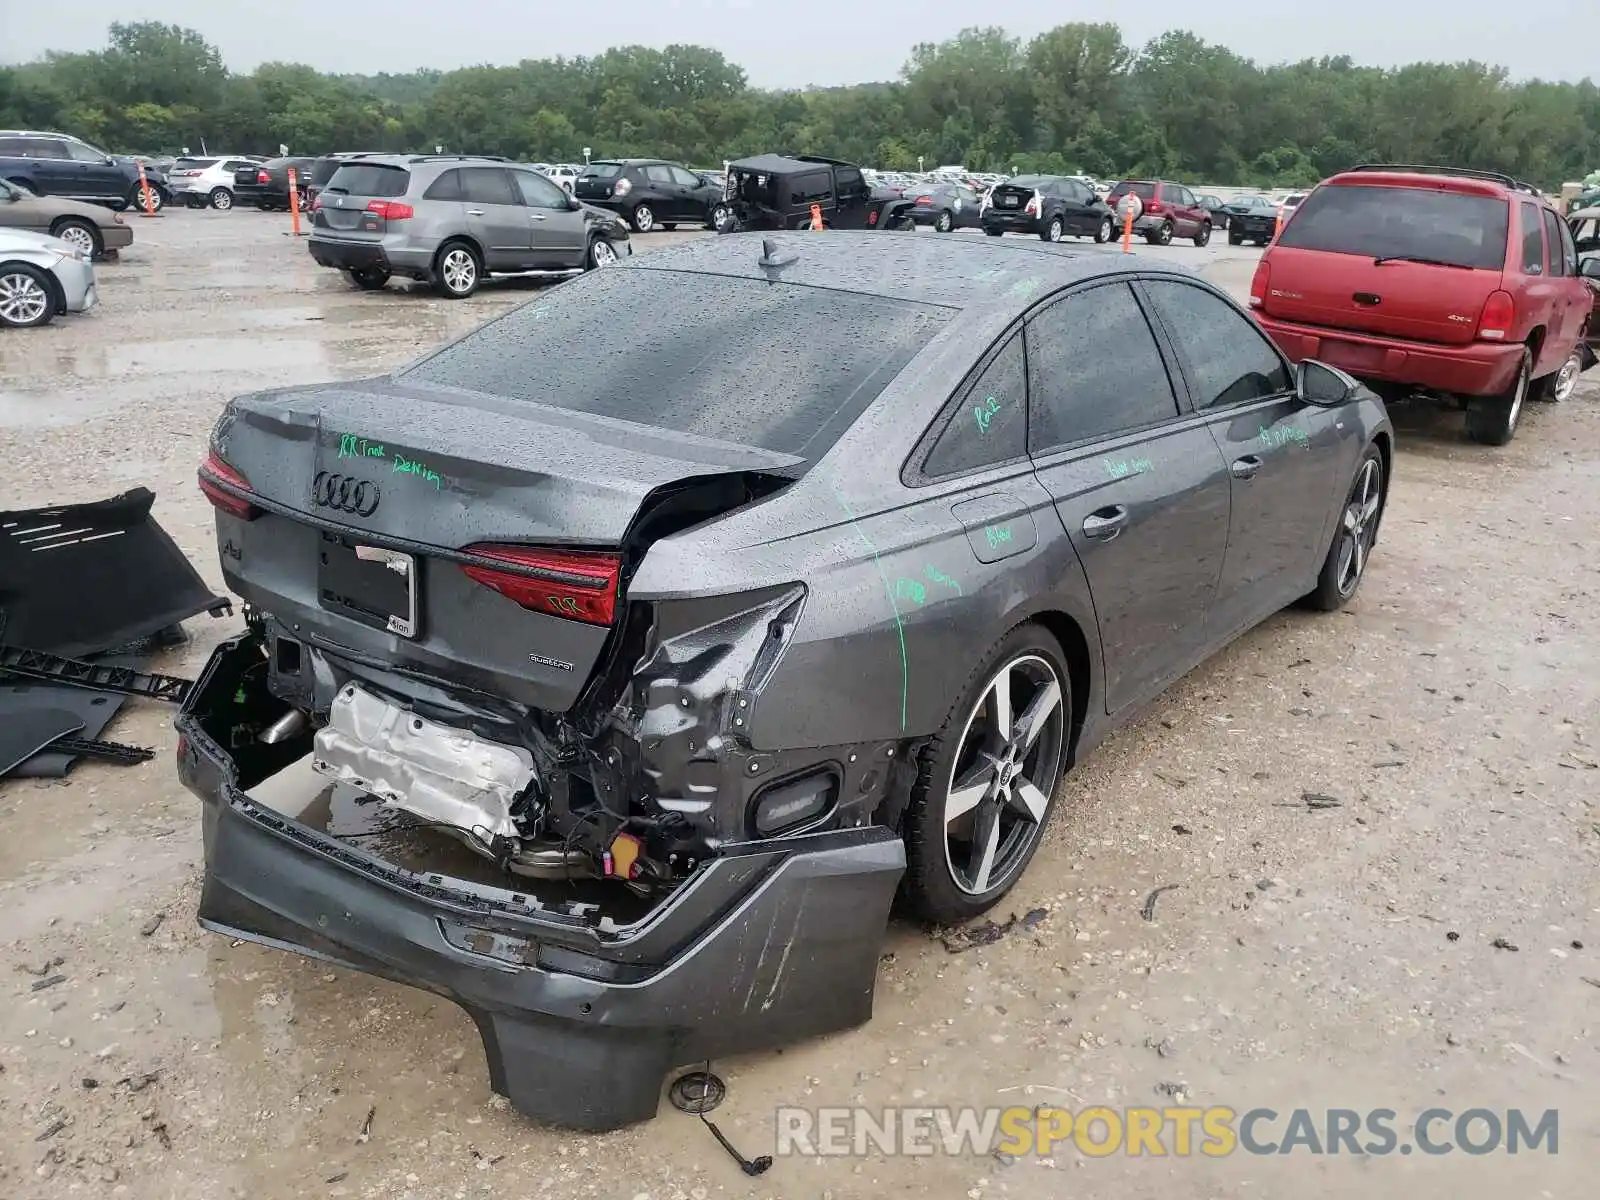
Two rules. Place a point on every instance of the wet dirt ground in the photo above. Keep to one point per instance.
(1430, 939)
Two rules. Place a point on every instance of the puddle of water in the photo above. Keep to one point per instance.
(191, 356)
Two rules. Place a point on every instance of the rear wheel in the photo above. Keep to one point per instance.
(644, 218)
(946, 222)
(1492, 420)
(457, 270)
(26, 297)
(987, 780)
(1346, 563)
(1104, 231)
(1052, 232)
(1235, 238)
(79, 233)
(369, 279)
(1161, 235)
(994, 232)
(1204, 234)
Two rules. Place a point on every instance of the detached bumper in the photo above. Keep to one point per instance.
(581, 1020)
(116, 237)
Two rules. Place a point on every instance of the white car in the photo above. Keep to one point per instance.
(202, 181)
(564, 175)
(41, 276)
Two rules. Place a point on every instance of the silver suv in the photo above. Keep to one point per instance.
(449, 220)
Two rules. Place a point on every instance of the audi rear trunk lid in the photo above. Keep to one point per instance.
(1347, 258)
(395, 523)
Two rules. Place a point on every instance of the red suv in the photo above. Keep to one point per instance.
(1452, 281)
(1163, 211)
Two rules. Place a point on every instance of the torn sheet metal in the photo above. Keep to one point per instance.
(434, 772)
(80, 579)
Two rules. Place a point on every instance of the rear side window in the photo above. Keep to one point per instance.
(812, 186)
(1094, 370)
(14, 147)
(42, 148)
(1172, 193)
(446, 187)
(1229, 359)
(1145, 191)
(848, 179)
(1532, 239)
(776, 366)
(1561, 262)
(602, 170)
(487, 185)
(369, 179)
(658, 174)
(990, 426)
(321, 170)
(1453, 227)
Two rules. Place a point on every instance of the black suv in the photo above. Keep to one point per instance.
(58, 164)
(1051, 206)
(652, 193)
(778, 191)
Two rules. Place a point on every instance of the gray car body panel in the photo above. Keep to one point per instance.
(831, 623)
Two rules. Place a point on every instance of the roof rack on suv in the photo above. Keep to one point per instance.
(1465, 172)
(421, 158)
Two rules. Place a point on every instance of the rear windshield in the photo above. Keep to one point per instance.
(779, 367)
(189, 164)
(1027, 181)
(369, 179)
(602, 170)
(1453, 227)
(1145, 191)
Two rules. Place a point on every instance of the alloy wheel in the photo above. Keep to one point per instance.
(1055, 230)
(79, 236)
(944, 223)
(1566, 380)
(602, 253)
(23, 299)
(1007, 765)
(460, 272)
(720, 217)
(644, 220)
(1357, 526)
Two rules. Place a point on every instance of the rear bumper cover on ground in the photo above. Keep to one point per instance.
(1472, 369)
(772, 942)
(116, 237)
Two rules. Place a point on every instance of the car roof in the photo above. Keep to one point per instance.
(781, 164)
(1584, 214)
(1449, 179)
(957, 273)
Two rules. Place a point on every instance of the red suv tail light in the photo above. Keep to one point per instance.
(580, 585)
(222, 485)
(1499, 315)
(1152, 206)
(1258, 284)
(390, 210)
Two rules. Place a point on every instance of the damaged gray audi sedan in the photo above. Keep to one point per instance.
(640, 676)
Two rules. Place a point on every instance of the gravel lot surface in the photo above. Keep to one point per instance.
(1335, 957)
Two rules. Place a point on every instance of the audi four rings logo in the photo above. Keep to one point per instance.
(345, 493)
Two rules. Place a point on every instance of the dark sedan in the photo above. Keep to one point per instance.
(946, 206)
(651, 193)
(664, 661)
(1049, 206)
(266, 185)
(1251, 219)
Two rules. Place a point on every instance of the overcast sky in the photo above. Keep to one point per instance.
(836, 41)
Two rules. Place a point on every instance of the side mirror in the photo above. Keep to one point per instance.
(1589, 268)
(574, 204)
(1318, 383)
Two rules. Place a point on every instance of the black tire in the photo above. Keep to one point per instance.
(1235, 238)
(80, 233)
(931, 889)
(1161, 235)
(1262, 242)
(668, 226)
(945, 221)
(994, 232)
(1204, 234)
(718, 217)
(34, 316)
(448, 266)
(1104, 231)
(643, 218)
(1053, 230)
(905, 225)
(1353, 537)
(136, 198)
(220, 199)
(368, 279)
(1492, 420)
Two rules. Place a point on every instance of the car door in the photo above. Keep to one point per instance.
(57, 174)
(695, 195)
(560, 233)
(497, 218)
(98, 175)
(1539, 289)
(1079, 207)
(852, 196)
(1141, 491)
(1572, 294)
(669, 201)
(1287, 459)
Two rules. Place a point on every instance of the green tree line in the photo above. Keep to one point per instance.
(1074, 99)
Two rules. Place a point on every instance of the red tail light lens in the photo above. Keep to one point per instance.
(1152, 206)
(316, 203)
(390, 210)
(221, 483)
(872, 217)
(1499, 315)
(1258, 285)
(924, 199)
(580, 585)
(263, 177)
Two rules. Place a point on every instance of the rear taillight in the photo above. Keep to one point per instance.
(1258, 285)
(263, 177)
(316, 203)
(1032, 205)
(621, 188)
(580, 585)
(1499, 315)
(1152, 206)
(226, 488)
(390, 210)
(872, 217)
(924, 199)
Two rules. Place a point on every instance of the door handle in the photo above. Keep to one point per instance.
(535, 216)
(474, 212)
(1105, 523)
(1246, 467)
